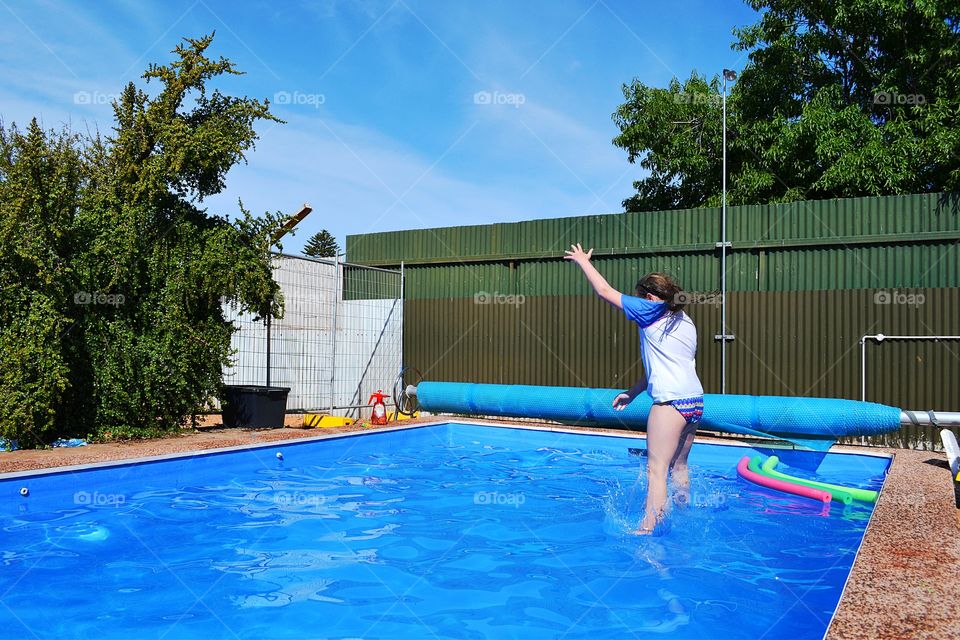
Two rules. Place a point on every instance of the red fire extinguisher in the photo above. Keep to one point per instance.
(379, 415)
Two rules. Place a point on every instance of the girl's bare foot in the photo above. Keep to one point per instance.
(648, 524)
(681, 486)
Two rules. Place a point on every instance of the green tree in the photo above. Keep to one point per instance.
(41, 180)
(838, 99)
(112, 276)
(321, 245)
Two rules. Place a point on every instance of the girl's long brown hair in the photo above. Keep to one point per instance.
(664, 287)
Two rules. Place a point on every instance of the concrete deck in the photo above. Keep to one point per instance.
(904, 584)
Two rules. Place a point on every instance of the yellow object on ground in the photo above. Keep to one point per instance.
(324, 421)
(396, 415)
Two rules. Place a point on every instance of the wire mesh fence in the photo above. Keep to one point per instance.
(339, 341)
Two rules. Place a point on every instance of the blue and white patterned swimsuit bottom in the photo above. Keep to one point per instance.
(690, 408)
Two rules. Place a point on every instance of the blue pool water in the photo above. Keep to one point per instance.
(449, 531)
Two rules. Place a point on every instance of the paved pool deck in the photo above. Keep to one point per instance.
(904, 584)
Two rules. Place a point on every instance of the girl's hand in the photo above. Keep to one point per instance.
(577, 254)
(621, 401)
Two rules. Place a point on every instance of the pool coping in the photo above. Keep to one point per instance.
(348, 434)
(902, 582)
(199, 453)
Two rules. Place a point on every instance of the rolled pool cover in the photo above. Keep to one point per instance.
(752, 474)
(784, 417)
(844, 494)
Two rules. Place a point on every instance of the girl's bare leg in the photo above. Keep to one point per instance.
(664, 428)
(678, 467)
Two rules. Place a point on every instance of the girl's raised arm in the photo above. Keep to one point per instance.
(597, 281)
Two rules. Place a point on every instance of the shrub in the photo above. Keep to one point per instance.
(112, 276)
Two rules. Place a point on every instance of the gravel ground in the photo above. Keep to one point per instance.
(906, 580)
(904, 584)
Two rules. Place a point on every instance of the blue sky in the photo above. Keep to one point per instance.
(401, 114)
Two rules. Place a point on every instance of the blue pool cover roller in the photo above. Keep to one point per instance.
(812, 421)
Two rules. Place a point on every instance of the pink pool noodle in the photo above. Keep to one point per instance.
(780, 485)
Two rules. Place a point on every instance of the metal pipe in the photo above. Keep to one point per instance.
(333, 333)
(724, 337)
(879, 337)
(344, 263)
(268, 347)
(863, 368)
(930, 418)
(336, 260)
(363, 406)
(723, 252)
(402, 308)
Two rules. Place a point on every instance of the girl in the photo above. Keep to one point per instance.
(668, 347)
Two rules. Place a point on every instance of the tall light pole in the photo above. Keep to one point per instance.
(728, 75)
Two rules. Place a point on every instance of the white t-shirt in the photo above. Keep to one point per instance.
(668, 346)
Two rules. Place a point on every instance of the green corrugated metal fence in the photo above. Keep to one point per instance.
(497, 303)
(837, 224)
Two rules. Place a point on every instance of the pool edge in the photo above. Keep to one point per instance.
(198, 453)
(431, 421)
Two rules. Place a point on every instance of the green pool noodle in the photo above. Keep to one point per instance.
(864, 495)
(839, 494)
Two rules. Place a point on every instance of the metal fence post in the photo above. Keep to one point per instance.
(402, 309)
(337, 286)
(268, 348)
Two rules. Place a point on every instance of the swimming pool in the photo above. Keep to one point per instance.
(450, 530)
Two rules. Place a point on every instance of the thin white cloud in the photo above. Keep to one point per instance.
(353, 177)
(549, 156)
